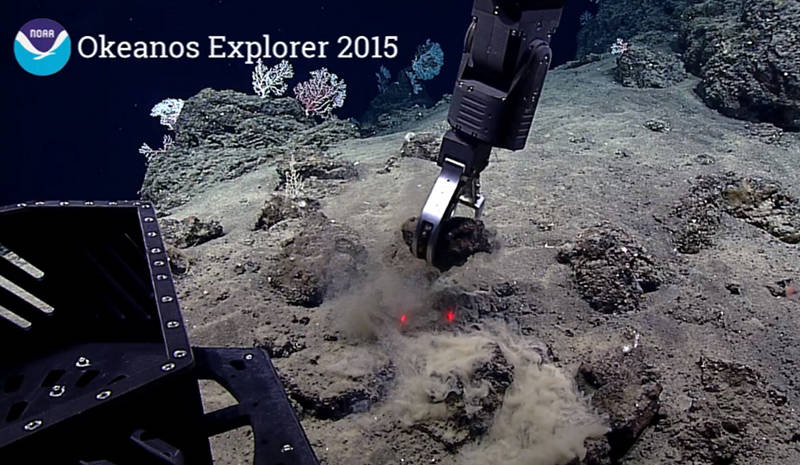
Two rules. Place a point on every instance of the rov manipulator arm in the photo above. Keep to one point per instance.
(503, 67)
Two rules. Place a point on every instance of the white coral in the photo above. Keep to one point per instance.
(168, 110)
(295, 185)
(150, 153)
(271, 81)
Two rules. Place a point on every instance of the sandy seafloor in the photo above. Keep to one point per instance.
(590, 159)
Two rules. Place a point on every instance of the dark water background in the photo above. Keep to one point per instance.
(75, 135)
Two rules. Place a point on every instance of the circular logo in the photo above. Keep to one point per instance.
(42, 47)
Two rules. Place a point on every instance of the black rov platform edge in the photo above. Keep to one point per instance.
(96, 366)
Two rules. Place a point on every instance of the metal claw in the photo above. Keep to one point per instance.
(450, 189)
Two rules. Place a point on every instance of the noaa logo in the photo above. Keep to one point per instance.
(42, 47)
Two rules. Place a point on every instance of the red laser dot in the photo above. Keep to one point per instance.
(451, 315)
(403, 319)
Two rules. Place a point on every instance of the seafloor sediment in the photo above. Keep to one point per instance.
(639, 304)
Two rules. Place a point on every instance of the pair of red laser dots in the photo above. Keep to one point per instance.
(450, 316)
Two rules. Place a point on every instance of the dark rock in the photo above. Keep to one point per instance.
(642, 67)
(468, 418)
(424, 145)
(190, 231)
(333, 407)
(459, 239)
(505, 289)
(323, 259)
(319, 166)
(734, 288)
(746, 54)
(705, 159)
(390, 165)
(475, 306)
(780, 288)
(611, 270)
(280, 207)
(179, 264)
(246, 267)
(325, 402)
(624, 387)
(657, 125)
(282, 348)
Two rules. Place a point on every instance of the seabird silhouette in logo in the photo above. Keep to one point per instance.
(27, 45)
(42, 47)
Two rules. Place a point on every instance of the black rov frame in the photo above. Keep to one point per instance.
(95, 362)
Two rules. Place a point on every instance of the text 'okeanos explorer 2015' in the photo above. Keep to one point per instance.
(220, 47)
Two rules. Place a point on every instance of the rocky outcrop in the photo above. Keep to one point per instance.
(746, 54)
(642, 66)
(221, 135)
(641, 22)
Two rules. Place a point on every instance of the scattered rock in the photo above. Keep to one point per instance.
(179, 264)
(190, 231)
(759, 202)
(333, 407)
(280, 207)
(627, 389)
(424, 145)
(657, 125)
(763, 204)
(732, 416)
(324, 383)
(697, 311)
(611, 270)
(734, 288)
(698, 216)
(246, 267)
(317, 166)
(391, 163)
(782, 288)
(765, 132)
(583, 60)
(459, 239)
(282, 347)
(705, 159)
(641, 66)
(746, 55)
(471, 399)
(473, 306)
(323, 259)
